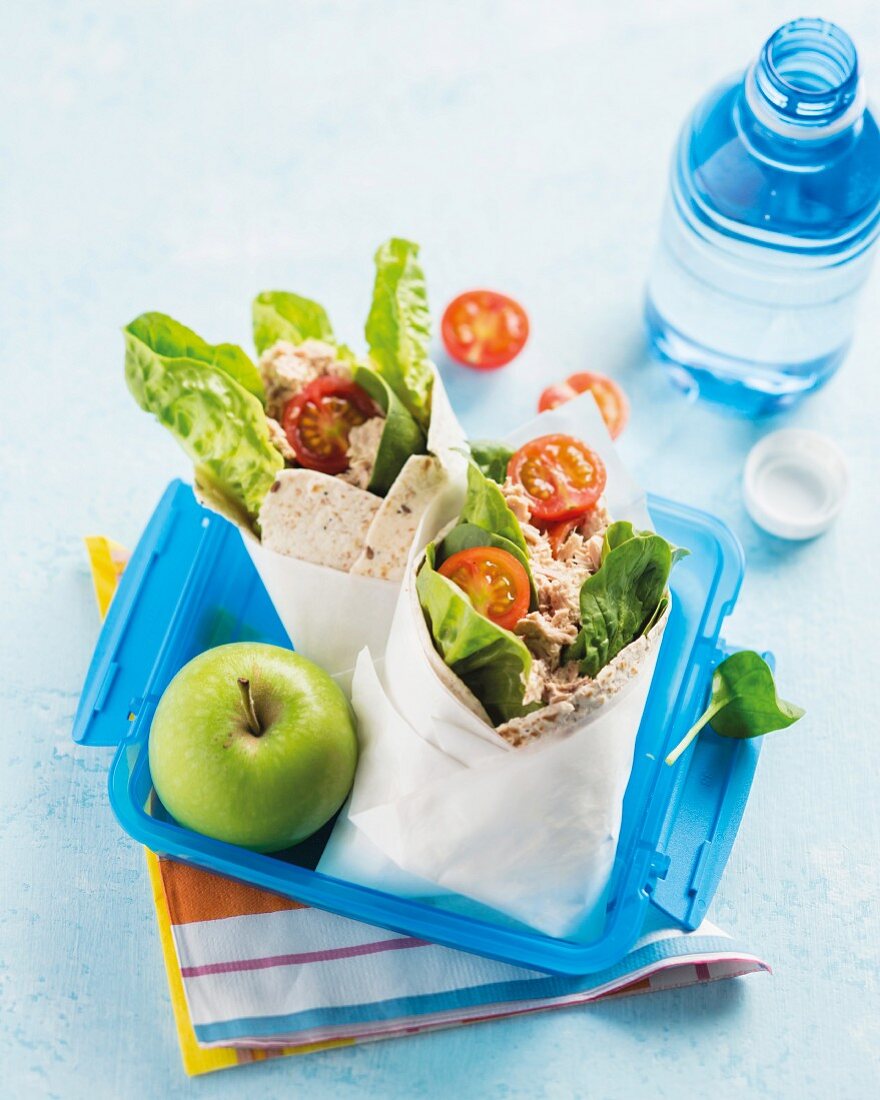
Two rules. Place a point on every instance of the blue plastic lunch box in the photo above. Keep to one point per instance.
(191, 585)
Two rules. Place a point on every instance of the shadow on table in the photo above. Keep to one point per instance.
(694, 1007)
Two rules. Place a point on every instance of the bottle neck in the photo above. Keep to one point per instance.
(806, 85)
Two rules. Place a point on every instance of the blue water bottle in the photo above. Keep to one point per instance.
(767, 235)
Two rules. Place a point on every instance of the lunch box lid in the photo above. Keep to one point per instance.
(190, 585)
(156, 613)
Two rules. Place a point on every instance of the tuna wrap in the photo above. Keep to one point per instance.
(325, 459)
(477, 799)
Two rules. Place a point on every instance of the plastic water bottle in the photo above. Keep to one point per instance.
(767, 235)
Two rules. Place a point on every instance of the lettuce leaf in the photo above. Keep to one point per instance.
(623, 598)
(485, 506)
(494, 663)
(491, 661)
(280, 315)
(398, 327)
(401, 436)
(217, 421)
(169, 339)
(492, 458)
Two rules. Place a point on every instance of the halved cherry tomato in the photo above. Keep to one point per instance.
(554, 396)
(495, 580)
(562, 477)
(557, 533)
(484, 329)
(610, 398)
(318, 420)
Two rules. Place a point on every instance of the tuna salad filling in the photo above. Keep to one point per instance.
(559, 570)
(537, 602)
(558, 575)
(286, 370)
(363, 446)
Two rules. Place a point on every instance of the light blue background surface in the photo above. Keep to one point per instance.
(181, 156)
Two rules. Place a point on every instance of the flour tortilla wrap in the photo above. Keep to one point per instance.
(410, 683)
(442, 803)
(387, 540)
(317, 518)
(332, 554)
(329, 614)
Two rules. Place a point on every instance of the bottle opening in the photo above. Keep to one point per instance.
(808, 72)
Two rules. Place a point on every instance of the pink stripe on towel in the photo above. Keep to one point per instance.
(396, 944)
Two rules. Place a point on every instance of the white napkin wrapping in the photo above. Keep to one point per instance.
(442, 803)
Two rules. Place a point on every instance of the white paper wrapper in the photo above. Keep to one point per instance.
(442, 803)
(330, 615)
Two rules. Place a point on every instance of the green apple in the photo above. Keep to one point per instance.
(254, 745)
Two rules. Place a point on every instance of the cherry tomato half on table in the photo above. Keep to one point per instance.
(484, 329)
(562, 477)
(610, 398)
(495, 580)
(317, 422)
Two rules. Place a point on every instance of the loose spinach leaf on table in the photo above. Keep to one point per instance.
(491, 661)
(744, 702)
(398, 327)
(492, 458)
(280, 315)
(621, 599)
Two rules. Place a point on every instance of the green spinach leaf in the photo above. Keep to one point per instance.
(401, 436)
(623, 530)
(280, 315)
(661, 609)
(744, 702)
(492, 458)
(168, 339)
(616, 534)
(621, 599)
(491, 661)
(398, 327)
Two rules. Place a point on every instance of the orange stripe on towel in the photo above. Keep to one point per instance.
(196, 895)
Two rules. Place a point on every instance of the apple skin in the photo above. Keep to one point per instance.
(268, 792)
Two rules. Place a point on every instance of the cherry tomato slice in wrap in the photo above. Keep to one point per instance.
(318, 421)
(497, 584)
(562, 477)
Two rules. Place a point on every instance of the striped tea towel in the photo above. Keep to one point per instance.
(254, 975)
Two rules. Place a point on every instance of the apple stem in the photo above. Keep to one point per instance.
(249, 709)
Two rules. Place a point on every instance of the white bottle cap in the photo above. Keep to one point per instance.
(795, 483)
